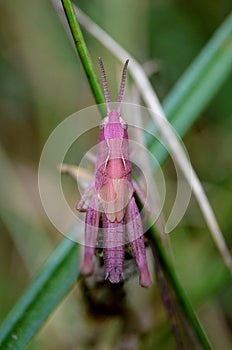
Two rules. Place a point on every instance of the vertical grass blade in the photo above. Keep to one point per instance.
(169, 273)
(84, 54)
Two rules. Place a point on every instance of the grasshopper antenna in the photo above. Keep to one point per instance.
(104, 83)
(122, 86)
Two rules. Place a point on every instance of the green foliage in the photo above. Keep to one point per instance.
(183, 105)
(43, 295)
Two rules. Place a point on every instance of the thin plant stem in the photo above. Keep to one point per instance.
(70, 13)
(164, 259)
(84, 54)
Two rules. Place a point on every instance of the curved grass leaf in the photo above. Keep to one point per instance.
(198, 85)
(43, 295)
(202, 80)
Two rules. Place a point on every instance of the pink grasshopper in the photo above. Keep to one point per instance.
(112, 199)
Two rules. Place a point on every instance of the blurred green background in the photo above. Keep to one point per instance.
(41, 83)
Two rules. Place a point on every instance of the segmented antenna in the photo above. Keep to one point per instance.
(104, 83)
(123, 80)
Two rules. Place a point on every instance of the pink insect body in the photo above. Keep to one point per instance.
(112, 199)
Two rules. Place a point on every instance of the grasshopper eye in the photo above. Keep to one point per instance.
(103, 123)
(124, 123)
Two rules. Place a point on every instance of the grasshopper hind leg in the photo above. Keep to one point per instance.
(136, 238)
(91, 233)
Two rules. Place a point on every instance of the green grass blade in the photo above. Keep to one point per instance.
(199, 84)
(202, 80)
(43, 295)
(186, 307)
(84, 54)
